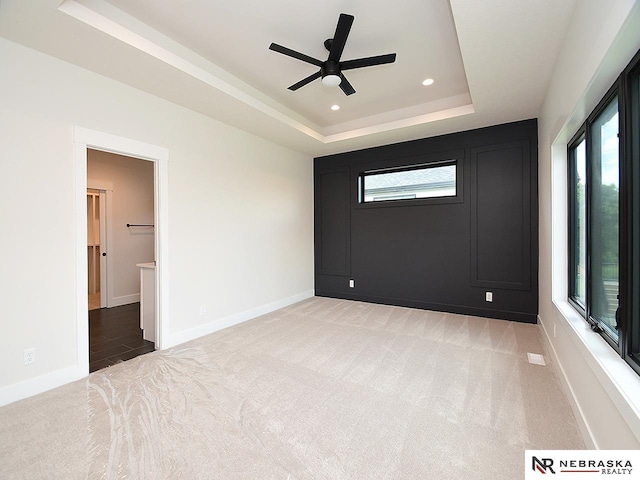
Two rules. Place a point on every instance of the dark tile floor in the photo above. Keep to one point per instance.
(115, 336)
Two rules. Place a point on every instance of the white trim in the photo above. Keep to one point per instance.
(401, 123)
(85, 138)
(105, 196)
(124, 300)
(219, 324)
(613, 375)
(111, 288)
(617, 378)
(585, 431)
(109, 22)
(82, 300)
(120, 145)
(100, 22)
(106, 239)
(161, 199)
(33, 386)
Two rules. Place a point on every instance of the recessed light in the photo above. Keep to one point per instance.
(335, 107)
(428, 81)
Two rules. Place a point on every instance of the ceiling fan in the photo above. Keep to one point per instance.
(331, 69)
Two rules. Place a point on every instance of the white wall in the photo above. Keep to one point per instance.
(600, 41)
(240, 213)
(132, 184)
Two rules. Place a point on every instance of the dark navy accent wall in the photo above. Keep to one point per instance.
(440, 255)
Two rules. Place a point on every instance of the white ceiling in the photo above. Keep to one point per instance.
(236, 36)
(491, 60)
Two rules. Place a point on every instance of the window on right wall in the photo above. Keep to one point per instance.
(604, 212)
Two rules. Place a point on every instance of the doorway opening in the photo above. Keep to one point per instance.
(88, 142)
(115, 279)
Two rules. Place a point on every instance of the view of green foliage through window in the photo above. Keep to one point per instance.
(604, 207)
(604, 235)
(595, 219)
(580, 223)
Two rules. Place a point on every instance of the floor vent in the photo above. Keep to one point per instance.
(535, 358)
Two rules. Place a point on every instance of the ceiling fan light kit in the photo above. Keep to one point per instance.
(331, 69)
(331, 80)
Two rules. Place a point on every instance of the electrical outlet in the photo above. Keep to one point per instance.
(352, 283)
(29, 356)
(203, 310)
(488, 296)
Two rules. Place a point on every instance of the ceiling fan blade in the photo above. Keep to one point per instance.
(340, 37)
(368, 62)
(304, 81)
(345, 86)
(292, 53)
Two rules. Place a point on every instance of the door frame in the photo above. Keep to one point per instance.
(106, 263)
(91, 205)
(84, 139)
(106, 238)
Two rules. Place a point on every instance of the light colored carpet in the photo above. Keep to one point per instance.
(324, 389)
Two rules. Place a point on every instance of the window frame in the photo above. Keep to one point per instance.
(627, 90)
(630, 173)
(572, 194)
(407, 164)
(614, 92)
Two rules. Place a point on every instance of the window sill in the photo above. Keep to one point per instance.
(619, 380)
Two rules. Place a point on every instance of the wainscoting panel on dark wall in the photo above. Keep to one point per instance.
(441, 253)
(500, 216)
(332, 222)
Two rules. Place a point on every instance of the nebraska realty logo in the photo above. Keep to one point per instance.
(582, 464)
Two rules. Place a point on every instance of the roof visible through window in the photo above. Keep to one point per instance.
(426, 182)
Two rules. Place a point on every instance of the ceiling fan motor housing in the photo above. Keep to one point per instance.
(330, 68)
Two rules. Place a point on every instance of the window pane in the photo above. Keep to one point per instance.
(579, 227)
(426, 182)
(605, 219)
(634, 228)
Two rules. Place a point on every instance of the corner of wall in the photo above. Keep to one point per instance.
(221, 323)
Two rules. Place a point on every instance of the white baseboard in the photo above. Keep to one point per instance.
(36, 385)
(124, 300)
(219, 324)
(585, 431)
(48, 381)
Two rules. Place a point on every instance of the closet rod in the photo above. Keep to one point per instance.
(139, 225)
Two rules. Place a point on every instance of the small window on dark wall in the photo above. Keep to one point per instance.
(435, 180)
